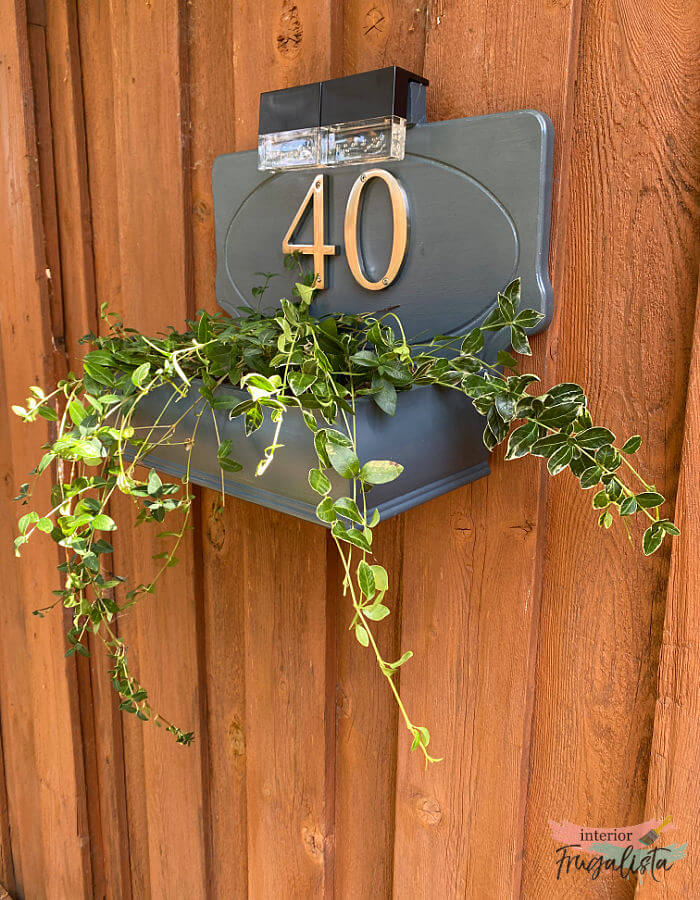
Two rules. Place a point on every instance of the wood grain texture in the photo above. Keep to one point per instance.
(73, 286)
(219, 532)
(7, 873)
(625, 333)
(288, 722)
(143, 170)
(674, 772)
(374, 35)
(471, 558)
(38, 686)
(300, 783)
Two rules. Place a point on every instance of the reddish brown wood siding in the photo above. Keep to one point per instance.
(537, 638)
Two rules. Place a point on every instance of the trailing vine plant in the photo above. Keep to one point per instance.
(288, 359)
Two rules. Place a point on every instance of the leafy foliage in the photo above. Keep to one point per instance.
(286, 358)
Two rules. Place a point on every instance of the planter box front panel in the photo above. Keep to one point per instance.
(436, 458)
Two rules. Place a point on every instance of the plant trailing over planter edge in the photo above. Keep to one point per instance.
(287, 358)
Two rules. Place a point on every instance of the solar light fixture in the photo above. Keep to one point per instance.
(357, 119)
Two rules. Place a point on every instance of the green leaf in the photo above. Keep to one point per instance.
(567, 392)
(45, 525)
(608, 457)
(519, 341)
(384, 395)
(590, 477)
(399, 662)
(325, 511)
(600, 500)
(224, 449)
(668, 527)
(48, 413)
(376, 612)
(253, 420)
(365, 359)
(258, 385)
(632, 444)
(494, 321)
(351, 536)
(473, 342)
(343, 459)
(361, 635)
(649, 499)
(521, 440)
(155, 485)
(139, 375)
(320, 442)
(306, 293)
(299, 382)
(547, 445)
(505, 406)
(103, 523)
(503, 358)
(653, 538)
(76, 411)
(381, 579)
(560, 459)
(380, 471)
(628, 506)
(365, 578)
(230, 465)
(319, 482)
(594, 438)
(506, 304)
(559, 415)
(27, 520)
(528, 318)
(346, 506)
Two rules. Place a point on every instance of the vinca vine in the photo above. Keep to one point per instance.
(286, 359)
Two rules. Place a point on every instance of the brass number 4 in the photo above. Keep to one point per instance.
(319, 250)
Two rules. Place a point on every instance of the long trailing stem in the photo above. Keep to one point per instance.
(288, 362)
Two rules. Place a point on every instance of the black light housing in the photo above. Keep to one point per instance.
(355, 119)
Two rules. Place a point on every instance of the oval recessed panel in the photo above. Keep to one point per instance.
(462, 249)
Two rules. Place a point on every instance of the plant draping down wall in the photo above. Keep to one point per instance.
(286, 358)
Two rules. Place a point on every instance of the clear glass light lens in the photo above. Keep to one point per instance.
(369, 140)
(290, 149)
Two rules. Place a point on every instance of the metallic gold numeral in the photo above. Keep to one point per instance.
(319, 250)
(399, 211)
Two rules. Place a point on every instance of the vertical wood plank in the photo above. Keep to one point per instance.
(374, 35)
(93, 26)
(625, 333)
(38, 687)
(220, 531)
(471, 589)
(288, 724)
(7, 873)
(73, 286)
(141, 175)
(674, 772)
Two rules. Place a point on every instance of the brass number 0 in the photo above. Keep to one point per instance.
(319, 250)
(399, 214)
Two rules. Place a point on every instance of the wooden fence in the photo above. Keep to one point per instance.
(557, 668)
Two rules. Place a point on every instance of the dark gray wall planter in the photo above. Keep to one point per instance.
(479, 194)
(436, 458)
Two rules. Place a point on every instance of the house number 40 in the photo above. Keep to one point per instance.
(320, 250)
